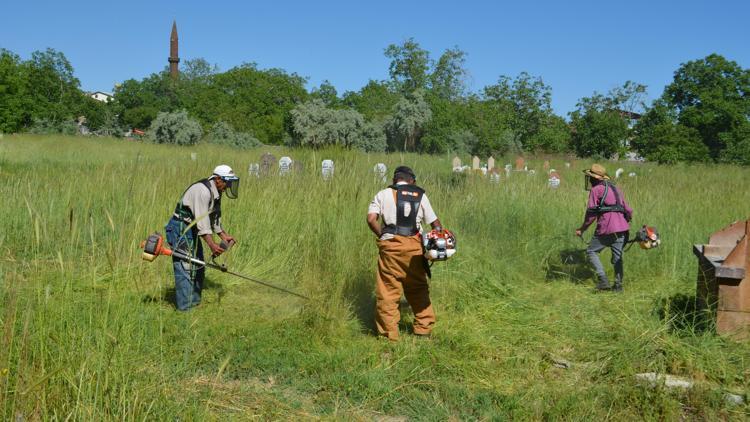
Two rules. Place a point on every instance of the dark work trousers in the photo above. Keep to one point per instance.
(188, 277)
(614, 241)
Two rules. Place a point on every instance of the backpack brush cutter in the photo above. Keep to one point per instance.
(154, 246)
(647, 237)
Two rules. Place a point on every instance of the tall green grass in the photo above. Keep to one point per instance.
(88, 331)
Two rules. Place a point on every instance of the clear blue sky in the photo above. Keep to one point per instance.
(577, 47)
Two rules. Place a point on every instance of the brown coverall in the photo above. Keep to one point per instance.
(401, 269)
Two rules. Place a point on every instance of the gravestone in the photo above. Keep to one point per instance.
(327, 169)
(520, 164)
(456, 163)
(619, 172)
(380, 170)
(567, 165)
(253, 170)
(193, 156)
(508, 170)
(285, 165)
(495, 175)
(554, 179)
(546, 165)
(475, 163)
(490, 163)
(267, 164)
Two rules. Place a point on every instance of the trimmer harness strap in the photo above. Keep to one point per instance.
(184, 213)
(406, 225)
(601, 208)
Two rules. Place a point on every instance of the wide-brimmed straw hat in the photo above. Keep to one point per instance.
(597, 171)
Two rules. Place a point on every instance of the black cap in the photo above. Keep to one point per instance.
(404, 171)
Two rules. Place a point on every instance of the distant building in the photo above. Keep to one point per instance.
(101, 96)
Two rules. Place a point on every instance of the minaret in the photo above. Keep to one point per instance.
(174, 58)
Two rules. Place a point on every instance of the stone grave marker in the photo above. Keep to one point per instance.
(490, 163)
(520, 164)
(475, 163)
(456, 163)
(193, 156)
(285, 165)
(253, 170)
(495, 175)
(327, 169)
(267, 163)
(546, 165)
(380, 170)
(554, 179)
(508, 170)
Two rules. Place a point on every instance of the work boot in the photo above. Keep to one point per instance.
(602, 285)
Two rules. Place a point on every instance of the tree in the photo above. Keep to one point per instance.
(374, 101)
(409, 66)
(601, 123)
(314, 124)
(712, 96)
(326, 92)
(447, 79)
(659, 138)
(14, 102)
(526, 101)
(410, 115)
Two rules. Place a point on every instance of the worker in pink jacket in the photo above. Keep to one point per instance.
(606, 206)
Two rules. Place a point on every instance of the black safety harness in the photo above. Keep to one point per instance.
(184, 213)
(406, 225)
(601, 208)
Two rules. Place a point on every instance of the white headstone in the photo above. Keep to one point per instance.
(285, 165)
(490, 163)
(567, 165)
(380, 170)
(554, 179)
(193, 156)
(327, 169)
(253, 169)
(475, 163)
(508, 170)
(456, 163)
(619, 172)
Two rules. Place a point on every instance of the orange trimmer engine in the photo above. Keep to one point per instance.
(153, 246)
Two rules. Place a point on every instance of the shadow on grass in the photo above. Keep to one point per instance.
(569, 264)
(359, 292)
(683, 314)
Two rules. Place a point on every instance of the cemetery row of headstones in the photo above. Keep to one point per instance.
(285, 165)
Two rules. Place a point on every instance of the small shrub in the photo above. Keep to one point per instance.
(44, 126)
(175, 128)
(223, 134)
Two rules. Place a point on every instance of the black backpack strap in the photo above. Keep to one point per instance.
(406, 225)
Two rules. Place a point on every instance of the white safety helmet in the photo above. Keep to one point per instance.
(226, 174)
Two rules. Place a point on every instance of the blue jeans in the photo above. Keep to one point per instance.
(614, 241)
(188, 277)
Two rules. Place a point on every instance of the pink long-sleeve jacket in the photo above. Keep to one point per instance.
(608, 222)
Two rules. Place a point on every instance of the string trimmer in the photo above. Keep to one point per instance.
(154, 246)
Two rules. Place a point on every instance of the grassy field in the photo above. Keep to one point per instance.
(89, 332)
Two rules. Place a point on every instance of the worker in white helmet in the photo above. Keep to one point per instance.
(198, 214)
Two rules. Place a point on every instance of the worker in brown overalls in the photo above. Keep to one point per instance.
(401, 264)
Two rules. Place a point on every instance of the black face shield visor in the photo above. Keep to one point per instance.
(233, 186)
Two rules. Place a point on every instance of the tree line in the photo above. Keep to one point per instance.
(424, 106)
